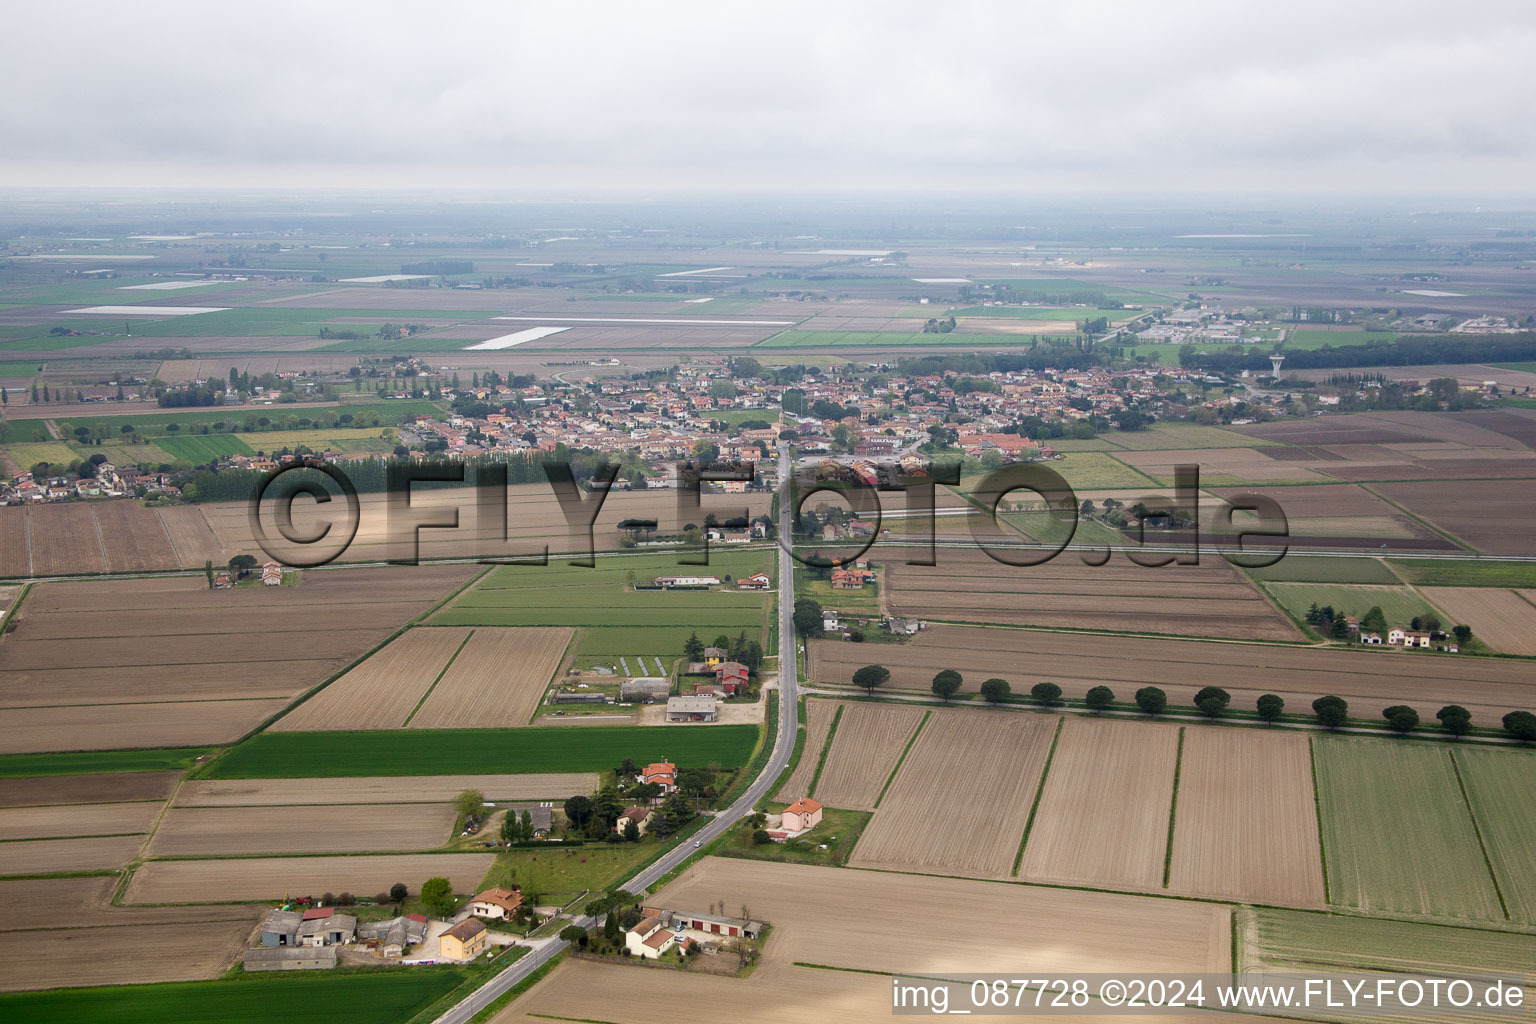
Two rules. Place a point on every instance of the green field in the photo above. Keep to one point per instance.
(1322, 569)
(54, 452)
(889, 339)
(1307, 339)
(1397, 836)
(1056, 313)
(1501, 786)
(1398, 604)
(1098, 471)
(568, 871)
(1298, 942)
(204, 447)
(305, 997)
(1166, 436)
(85, 762)
(1426, 572)
(617, 620)
(154, 424)
(596, 748)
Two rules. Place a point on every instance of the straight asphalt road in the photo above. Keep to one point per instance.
(783, 746)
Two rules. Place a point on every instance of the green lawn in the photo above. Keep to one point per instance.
(598, 748)
(1397, 835)
(1307, 339)
(567, 871)
(839, 831)
(1426, 572)
(890, 339)
(617, 620)
(1501, 785)
(1322, 569)
(1398, 603)
(204, 447)
(1296, 942)
(84, 762)
(306, 997)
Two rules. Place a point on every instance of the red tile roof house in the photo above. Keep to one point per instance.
(731, 676)
(649, 939)
(497, 902)
(801, 815)
(662, 773)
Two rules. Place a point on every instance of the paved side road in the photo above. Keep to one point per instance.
(783, 746)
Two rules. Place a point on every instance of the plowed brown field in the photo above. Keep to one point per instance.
(869, 741)
(496, 681)
(1103, 815)
(383, 691)
(960, 801)
(271, 878)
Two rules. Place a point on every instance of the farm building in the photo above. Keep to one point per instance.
(646, 689)
(650, 938)
(271, 575)
(712, 925)
(540, 816)
(641, 816)
(579, 698)
(274, 958)
(496, 903)
(803, 814)
(464, 941)
(757, 581)
(281, 928)
(390, 937)
(327, 929)
(668, 582)
(731, 676)
(714, 656)
(691, 709)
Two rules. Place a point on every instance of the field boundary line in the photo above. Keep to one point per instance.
(1466, 800)
(31, 566)
(5, 620)
(439, 678)
(1317, 813)
(101, 546)
(1173, 807)
(826, 746)
(1034, 806)
(168, 538)
(903, 758)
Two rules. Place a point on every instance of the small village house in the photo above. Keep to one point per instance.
(465, 940)
(803, 814)
(496, 903)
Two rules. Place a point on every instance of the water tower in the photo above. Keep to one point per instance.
(1275, 360)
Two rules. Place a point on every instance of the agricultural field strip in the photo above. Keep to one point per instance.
(1503, 619)
(1500, 788)
(870, 739)
(497, 679)
(77, 820)
(270, 878)
(928, 805)
(1377, 799)
(818, 721)
(332, 828)
(382, 691)
(1104, 812)
(406, 789)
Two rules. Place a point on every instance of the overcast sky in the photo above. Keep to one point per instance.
(1395, 96)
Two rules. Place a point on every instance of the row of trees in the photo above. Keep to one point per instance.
(1212, 701)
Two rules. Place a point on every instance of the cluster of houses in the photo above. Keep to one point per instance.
(1405, 638)
(660, 930)
(109, 482)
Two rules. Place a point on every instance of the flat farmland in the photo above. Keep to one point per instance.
(110, 787)
(497, 679)
(1399, 604)
(870, 740)
(1325, 569)
(46, 856)
(15, 554)
(64, 539)
(35, 903)
(961, 799)
(616, 620)
(1103, 814)
(1369, 679)
(336, 828)
(1246, 822)
(244, 879)
(1501, 790)
(1398, 836)
(1219, 466)
(189, 667)
(1503, 619)
(399, 789)
(987, 926)
(381, 692)
(132, 537)
(57, 957)
(818, 722)
(533, 523)
(1210, 599)
(66, 820)
(191, 537)
(1495, 521)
